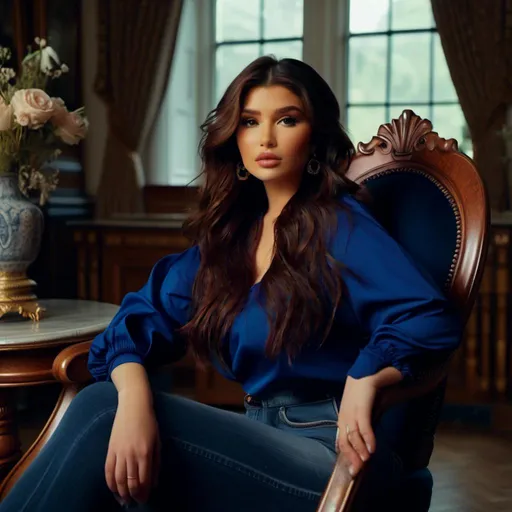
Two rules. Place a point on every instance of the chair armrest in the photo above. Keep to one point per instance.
(342, 488)
(70, 365)
(426, 381)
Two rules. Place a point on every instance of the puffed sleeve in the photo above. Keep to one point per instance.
(147, 319)
(399, 307)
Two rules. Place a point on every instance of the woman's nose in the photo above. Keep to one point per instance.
(268, 139)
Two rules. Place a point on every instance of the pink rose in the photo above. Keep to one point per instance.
(71, 127)
(32, 107)
(60, 111)
(5, 116)
(59, 104)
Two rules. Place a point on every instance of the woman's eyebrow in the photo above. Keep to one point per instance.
(282, 110)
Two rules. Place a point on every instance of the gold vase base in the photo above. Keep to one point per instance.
(29, 309)
(17, 296)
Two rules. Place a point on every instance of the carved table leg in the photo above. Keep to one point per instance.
(9, 439)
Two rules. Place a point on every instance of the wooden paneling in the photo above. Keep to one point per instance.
(165, 199)
(482, 368)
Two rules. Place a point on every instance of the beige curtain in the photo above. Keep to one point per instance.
(136, 46)
(476, 38)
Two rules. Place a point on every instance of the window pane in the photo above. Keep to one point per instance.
(236, 20)
(443, 85)
(289, 49)
(369, 16)
(274, 14)
(395, 111)
(230, 61)
(411, 14)
(410, 68)
(449, 122)
(367, 69)
(364, 122)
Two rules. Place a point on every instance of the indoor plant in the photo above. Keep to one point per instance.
(34, 128)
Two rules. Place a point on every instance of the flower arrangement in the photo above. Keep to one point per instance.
(34, 127)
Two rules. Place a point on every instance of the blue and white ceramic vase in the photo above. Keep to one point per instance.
(21, 230)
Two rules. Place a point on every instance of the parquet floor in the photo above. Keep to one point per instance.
(472, 473)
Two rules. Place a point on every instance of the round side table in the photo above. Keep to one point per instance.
(27, 352)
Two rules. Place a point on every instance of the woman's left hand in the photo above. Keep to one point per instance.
(356, 440)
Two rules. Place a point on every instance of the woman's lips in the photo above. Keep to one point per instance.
(269, 163)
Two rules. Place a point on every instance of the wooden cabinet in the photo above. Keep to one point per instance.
(115, 257)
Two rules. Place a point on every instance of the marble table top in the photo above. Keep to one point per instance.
(63, 319)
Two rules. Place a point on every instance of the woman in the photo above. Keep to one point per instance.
(292, 289)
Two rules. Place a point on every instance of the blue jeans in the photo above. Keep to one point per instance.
(276, 457)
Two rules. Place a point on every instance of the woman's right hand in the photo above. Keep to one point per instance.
(133, 457)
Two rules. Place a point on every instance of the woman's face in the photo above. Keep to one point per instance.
(274, 136)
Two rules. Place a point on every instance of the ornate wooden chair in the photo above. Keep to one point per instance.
(432, 200)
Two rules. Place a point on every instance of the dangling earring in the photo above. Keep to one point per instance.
(314, 166)
(241, 172)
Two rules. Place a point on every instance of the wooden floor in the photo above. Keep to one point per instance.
(472, 473)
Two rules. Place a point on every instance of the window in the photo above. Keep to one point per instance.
(395, 61)
(240, 32)
(170, 157)
(245, 30)
(379, 56)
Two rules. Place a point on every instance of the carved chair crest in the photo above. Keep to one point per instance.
(405, 135)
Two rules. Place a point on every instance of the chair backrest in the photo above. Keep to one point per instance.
(431, 199)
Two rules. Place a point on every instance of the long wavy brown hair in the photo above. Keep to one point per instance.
(301, 290)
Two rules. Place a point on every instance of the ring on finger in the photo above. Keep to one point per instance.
(349, 431)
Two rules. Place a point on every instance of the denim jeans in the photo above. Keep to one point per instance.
(276, 457)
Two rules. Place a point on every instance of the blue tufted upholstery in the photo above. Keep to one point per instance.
(416, 492)
(418, 215)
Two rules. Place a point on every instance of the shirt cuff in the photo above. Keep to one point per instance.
(129, 357)
(369, 363)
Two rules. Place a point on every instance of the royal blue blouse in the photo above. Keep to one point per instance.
(393, 313)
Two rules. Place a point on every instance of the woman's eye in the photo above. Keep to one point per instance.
(289, 121)
(248, 122)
